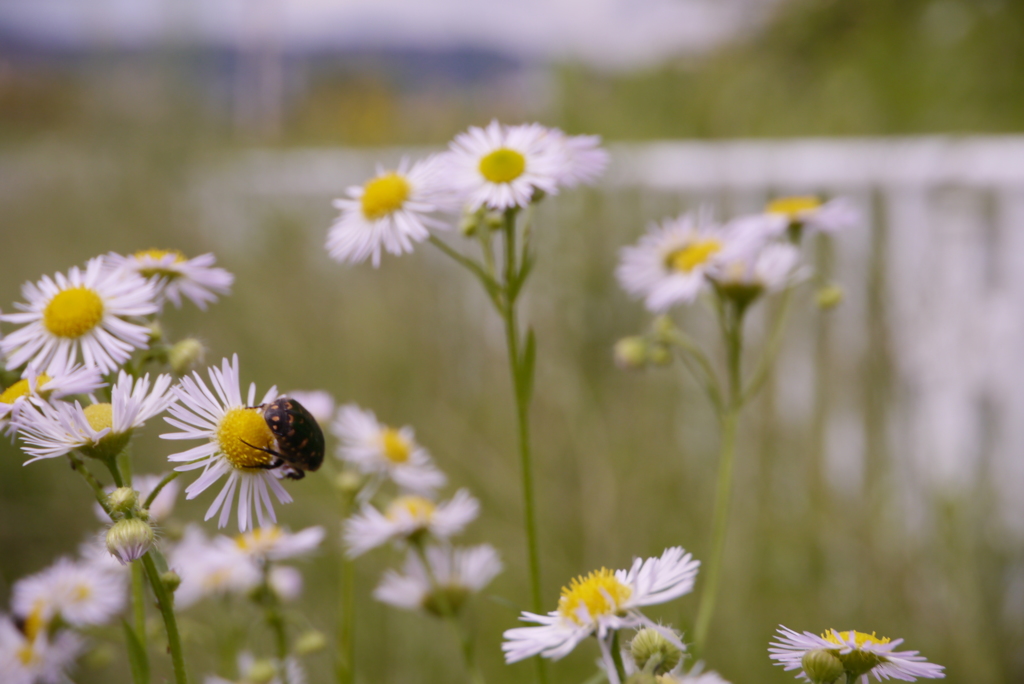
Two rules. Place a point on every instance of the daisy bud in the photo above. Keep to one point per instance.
(822, 667)
(659, 355)
(262, 672)
(349, 482)
(310, 642)
(186, 355)
(494, 220)
(829, 297)
(129, 539)
(122, 500)
(171, 580)
(156, 332)
(650, 646)
(469, 222)
(631, 353)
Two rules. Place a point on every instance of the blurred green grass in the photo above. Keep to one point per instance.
(626, 462)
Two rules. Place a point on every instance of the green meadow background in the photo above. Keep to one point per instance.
(112, 152)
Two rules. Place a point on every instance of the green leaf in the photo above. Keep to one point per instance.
(138, 659)
(526, 367)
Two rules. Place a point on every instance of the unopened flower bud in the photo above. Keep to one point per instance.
(494, 219)
(822, 667)
(469, 222)
(262, 671)
(186, 355)
(310, 642)
(829, 297)
(156, 332)
(659, 355)
(171, 580)
(650, 645)
(129, 539)
(122, 500)
(348, 482)
(631, 352)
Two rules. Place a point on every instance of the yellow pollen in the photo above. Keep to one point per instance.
(240, 433)
(73, 312)
(82, 592)
(260, 537)
(159, 255)
(693, 255)
(860, 638)
(21, 388)
(396, 448)
(34, 624)
(503, 165)
(600, 592)
(792, 206)
(383, 195)
(418, 507)
(99, 416)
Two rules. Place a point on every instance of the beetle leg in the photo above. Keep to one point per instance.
(277, 463)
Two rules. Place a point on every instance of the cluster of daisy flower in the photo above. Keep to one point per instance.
(436, 577)
(491, 169)
(42, 638)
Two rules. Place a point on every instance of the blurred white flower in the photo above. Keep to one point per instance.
(175, 277)
(32, 656)
(405, 517)
(390, 211)
(377, 449)
(811, 213)
(84, 313)
(286, 582)
(262, 671)
(860, 654)
(601, 603)
(584, 160)
(458, 572)
(57, 384)
(670, 263)
(53, 430)
(208, 569)
(501, 167)
(235, 432)
(80, 593)
(773, 267)
(274, 543)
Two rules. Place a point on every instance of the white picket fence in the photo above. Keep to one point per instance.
(950, 211)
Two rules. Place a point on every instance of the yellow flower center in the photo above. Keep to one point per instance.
(82, 592)
(693, 255)
(259, 538)
(396, 448)
(240, 435)
(417, 507)
(600, 592)
(383, 195)
(21, 388)
(159, 255)
(100, 416)
(73, 312)
(503, 165)
(793, 206)
(859, 638)
(34, 624)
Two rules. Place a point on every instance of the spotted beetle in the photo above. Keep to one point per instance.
(300, 441)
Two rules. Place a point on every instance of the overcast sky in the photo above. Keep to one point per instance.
(610, 33)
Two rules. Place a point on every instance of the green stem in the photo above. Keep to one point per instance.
(79, 467)
(732, 328)
(167, 479)
(345, 671)
(139, 601)
(617, 657)
(275, 620)
(165, 602)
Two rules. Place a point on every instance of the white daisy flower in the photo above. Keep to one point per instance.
(458, 572)
(771, 268)
(601, 603)
(669, 264)
(262, 671)
(584, 160)
(694, 676)
(83, 313)
(861, 654)
(80, 593)
(408, 516)
(319, 403)
(274, 543)
(208, 569)
(235, 434)
(377, 449)
(390, 211)
(808, 211)
(501, 167)
(32, 656)
(100, 429)
(176, 276)
(56, 384)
